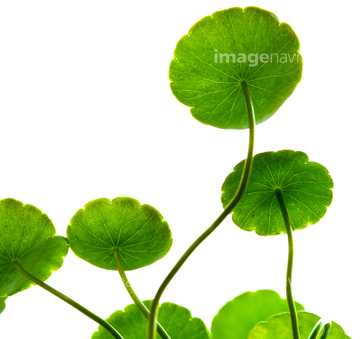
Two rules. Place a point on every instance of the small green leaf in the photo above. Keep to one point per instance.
(305, 186)
(238, 316)
(28, 237)
(279, 327)
(137, 231)
(176, 320)
(272, 66)
(2, 305)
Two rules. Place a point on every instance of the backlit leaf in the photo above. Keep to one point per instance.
(305, 186)
(2, 305)
(137, 231)
(28, 237)
(176, 320)
(272, 66)
(279, 327)
(238, 316)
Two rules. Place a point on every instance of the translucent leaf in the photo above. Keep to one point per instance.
(305, 186)
(176, 320)
(231, 46)
(2, 305)
(138, 231)
(238, 316)
(28, 237)
(279, 327)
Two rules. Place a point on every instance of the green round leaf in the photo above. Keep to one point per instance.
(2, 305)
(279, 327)
(28, 236)
(138, 231)
(176, 320)
(238, 316)
(231, 46)
(305, 186)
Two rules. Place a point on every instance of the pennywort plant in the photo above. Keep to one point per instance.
(234, 69)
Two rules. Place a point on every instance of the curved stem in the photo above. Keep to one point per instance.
(289, 297)
(326, 331)
(71, 302)
(320, 328)
(144, 310)
(239, 193)
(316, 330)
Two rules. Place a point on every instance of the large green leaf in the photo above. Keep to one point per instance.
(2, 305)
(137, 231)
(175, 319)
(272, 67)
(279, 327)
(305, 186)
(28, 237)
(238, 316)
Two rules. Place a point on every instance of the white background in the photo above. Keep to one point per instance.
(86, 112)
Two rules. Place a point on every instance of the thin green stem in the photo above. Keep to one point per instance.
(320, 331)
(240, 192)
(289, 296)
(71, 302)
(326, 331)
(144, 310)
(316, 330)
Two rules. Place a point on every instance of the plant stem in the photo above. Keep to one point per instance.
(144, 310)
(239, 193)
(71, 302)
(316, 330)
(326, 331)
(289, 297)
(320, 331)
